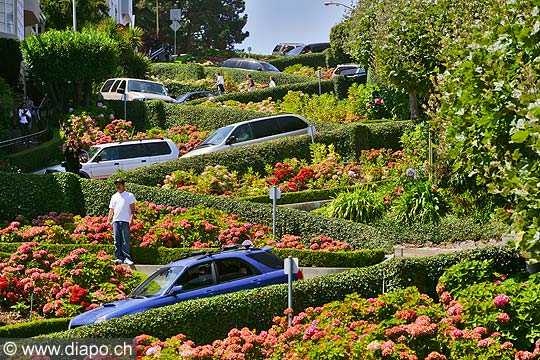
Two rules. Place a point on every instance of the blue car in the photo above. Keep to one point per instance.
(198, 275)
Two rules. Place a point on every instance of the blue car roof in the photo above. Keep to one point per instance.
(232, 251)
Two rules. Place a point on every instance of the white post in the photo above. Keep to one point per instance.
(275, 193)
(319, 75)
(74, 15)
(289, 289)
(124, 97)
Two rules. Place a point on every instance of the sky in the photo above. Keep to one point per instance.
(274, 21)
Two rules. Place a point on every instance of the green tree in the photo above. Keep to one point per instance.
(488, 105)
(59, 13)
(68, 62)
(205, 24)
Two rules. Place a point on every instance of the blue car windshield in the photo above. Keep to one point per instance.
(158, 283)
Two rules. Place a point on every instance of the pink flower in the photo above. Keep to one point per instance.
(503, 318)
(368, 105)
(501, 300)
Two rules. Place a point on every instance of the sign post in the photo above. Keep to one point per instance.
(175, 15)
(319, 75)
(290, 267)
(275, 193)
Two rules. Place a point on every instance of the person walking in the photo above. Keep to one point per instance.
(250, 83)
(72, 151)
(121, 214)
(24, 119)
(272, 83)
(220, 83)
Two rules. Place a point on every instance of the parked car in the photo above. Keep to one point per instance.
(249, 64)
(282, 48)
(134, 89)
(350, 71)
(308, 48)
(194, 95)
(103, 160)
(199, 275)
(254, 131)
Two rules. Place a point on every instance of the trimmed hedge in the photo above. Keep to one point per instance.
(260, 77)
(313, 60)
(276, 93)
(177, 71)
(37, 157)
(34, 328)
(33, 195)
(256, 308)
(162, 255)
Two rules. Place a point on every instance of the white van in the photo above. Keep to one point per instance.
(134, 89)
(254, 131)
(104, 160)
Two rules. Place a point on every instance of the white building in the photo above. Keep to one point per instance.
(122, 12)
(20, 18)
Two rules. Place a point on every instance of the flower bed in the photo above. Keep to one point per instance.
(157, 225)
(487, 320)
(60, 287)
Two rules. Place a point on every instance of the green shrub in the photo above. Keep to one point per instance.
(260, 77)
(136, 65)
(420, 201)
(177, 71)
(363, 205)
(464, 274)
(38, 157)
(11, 61)
(313, 60)
(34, 328)
(256, 308)
(7, 109)
(348, 259)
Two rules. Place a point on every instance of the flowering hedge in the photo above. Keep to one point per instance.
(61, 287)
(154, 226)
(485, 321)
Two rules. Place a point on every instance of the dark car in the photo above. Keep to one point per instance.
(308, 48)
(194, 95)
(198, 275)
(350, 71)
(282, 48)
(249, 64)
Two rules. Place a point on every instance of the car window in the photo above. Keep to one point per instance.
(295, 51)
(268, 66)
(277, 48)
(266, 127)
(155, 149)
(291, 123)
(110, 153)
(218, 136)
(232, 269)
(107, 86)
(197, 277)
(243, 133)
(121, 86)
(129, 151)
(268, 259)
(115, 86)
(158, 282)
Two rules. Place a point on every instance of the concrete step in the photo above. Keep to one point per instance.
(309, 272)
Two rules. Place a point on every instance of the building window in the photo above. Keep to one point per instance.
(7, 16)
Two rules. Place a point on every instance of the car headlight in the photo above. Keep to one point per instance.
(100, 319)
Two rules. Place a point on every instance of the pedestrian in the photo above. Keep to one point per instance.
(250, 83)
(72, 152)
(220, 83)
(24, 119)
(121, 214)
(272, 83)
(31, 109)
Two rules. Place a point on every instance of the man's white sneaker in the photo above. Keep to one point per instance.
(128, 262)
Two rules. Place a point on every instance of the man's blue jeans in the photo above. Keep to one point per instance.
(122, 236)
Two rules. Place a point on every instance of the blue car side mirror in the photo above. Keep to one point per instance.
(177, 289)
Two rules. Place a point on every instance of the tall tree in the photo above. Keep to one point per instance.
(205, 24)
(59, 13)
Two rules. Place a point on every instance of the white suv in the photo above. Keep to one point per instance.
(134, 89)
(104, 160)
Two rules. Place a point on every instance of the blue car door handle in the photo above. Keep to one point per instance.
(209, 291)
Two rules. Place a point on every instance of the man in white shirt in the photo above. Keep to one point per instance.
(121, 214)
(220, 83)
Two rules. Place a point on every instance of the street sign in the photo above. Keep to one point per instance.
(175, 25)
(290, 265)
(176, 14)
(275, 193)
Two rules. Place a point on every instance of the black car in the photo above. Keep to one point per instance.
(194, 95)
(308, 48)
(249, 64)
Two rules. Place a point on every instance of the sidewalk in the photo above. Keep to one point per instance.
(412, 251)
